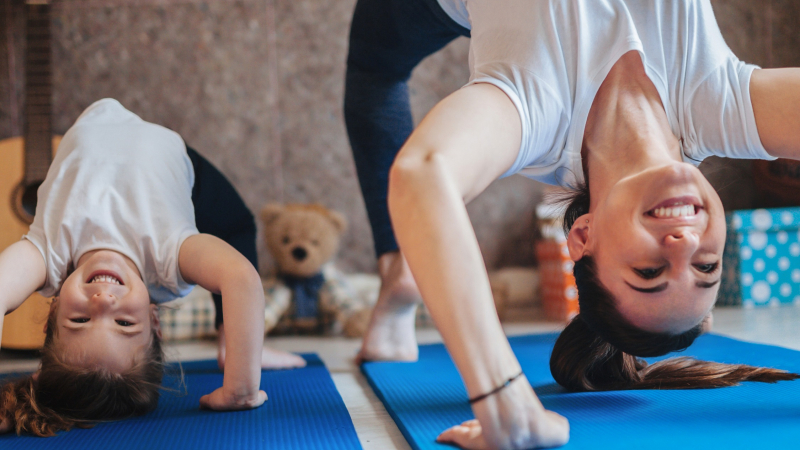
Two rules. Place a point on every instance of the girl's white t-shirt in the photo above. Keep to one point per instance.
(117, 183)
(551, 56)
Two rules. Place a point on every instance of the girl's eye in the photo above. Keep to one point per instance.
(649, 273)
(285, 239)
(124, 323)
(80, 320)
(707, 268)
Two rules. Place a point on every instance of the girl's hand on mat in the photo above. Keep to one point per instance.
(220, 400)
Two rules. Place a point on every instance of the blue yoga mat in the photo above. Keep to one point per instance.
(427, 397)
(304, 411)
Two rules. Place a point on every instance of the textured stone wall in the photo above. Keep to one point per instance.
(256, 86)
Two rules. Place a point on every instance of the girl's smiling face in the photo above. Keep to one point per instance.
(103, 313)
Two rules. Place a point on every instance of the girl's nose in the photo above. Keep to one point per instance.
(103, 300)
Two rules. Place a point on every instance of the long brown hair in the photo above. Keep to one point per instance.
(64, 396)
(599, 349)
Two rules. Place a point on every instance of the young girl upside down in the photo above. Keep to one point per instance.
(114, 235)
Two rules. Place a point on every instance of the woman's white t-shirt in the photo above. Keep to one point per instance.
(551, 56)
(117, 183)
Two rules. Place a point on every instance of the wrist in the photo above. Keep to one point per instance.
(493, 371)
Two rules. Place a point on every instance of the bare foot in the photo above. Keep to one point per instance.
(270, 358)
(390, 335)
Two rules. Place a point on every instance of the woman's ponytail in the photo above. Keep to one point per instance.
(583, 361)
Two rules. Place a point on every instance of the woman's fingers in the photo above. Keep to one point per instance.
(554, 432)
(468, 436)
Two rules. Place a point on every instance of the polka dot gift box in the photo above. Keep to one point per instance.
(761, 263)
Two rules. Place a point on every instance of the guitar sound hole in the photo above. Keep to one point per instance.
(25, 203)
(29, 198)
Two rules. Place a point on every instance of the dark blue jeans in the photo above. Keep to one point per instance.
(221, 212)
(388, 38)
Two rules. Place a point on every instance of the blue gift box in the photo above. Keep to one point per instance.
(761, 263)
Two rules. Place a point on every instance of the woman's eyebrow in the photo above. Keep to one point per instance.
(706, 284)
(652, 290)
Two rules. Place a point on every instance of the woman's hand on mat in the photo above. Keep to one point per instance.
(222, 400)
(511, 419)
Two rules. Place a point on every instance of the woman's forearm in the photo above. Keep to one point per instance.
(436, 237)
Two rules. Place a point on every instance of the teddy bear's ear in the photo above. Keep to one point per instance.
(271, 212)
(338, 220)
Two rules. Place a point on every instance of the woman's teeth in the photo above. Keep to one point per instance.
(674, 211)
(105, 279)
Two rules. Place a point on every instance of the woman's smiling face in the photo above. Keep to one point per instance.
(657, 239)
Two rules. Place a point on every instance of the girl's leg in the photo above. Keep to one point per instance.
(221, 212)
(388, 38)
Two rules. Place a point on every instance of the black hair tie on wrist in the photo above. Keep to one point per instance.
(474, 400)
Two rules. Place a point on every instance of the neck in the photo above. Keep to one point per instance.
(627, 130)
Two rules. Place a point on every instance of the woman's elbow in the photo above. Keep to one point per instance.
(411, 174)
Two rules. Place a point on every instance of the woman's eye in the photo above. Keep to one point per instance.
(80, 320)
(124, 323)
(707, 268)
(649, 273)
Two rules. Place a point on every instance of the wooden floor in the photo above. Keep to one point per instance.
(377, 431)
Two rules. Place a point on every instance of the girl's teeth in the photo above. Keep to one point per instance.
(105, 279)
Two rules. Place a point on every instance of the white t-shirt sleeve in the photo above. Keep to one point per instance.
(719, 116)
(541, 114)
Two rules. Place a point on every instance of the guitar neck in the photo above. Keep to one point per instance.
(38, 93)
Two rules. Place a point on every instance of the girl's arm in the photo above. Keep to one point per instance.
(219, 268)
(466, 142)
(775, 94)
(22, 272)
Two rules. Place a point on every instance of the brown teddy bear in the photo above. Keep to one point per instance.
(302, 238)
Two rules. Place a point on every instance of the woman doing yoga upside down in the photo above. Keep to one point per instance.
(618, 100)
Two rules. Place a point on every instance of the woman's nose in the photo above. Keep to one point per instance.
(682, 241)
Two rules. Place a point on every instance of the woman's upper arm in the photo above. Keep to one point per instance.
(476, 132)
(775, 95)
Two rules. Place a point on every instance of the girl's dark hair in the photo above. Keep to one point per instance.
(598, 350)
(64, 396)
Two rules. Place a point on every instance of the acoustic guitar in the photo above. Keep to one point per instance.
(23, 166)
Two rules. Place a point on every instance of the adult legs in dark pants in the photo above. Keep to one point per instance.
(220, 211)
(388, 38)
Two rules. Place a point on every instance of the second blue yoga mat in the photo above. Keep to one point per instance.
(304, 411)
(427, 397)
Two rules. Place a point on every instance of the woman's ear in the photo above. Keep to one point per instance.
(155, 321)
(578, 237)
